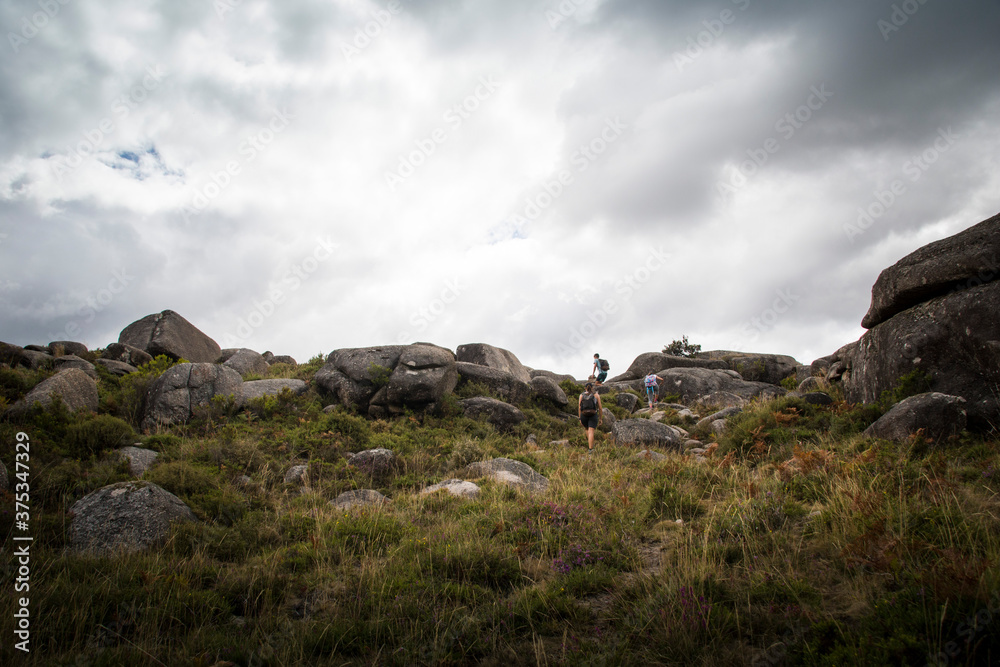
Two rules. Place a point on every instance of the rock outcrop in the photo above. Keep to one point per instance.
(548, 389)
(502, 415)
(694, 383)
(244, 361)
(132, 356)
(646, 433)
(124, 517)
(962, 261)
(654, 362)
(261, 388)
(937, 416)
(505, 385)
(934, 312)
(493, 357)
(173, 397)
(74, 387)
(170, 334)
(388, 379)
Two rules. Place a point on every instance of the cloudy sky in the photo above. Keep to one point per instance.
(556, 178)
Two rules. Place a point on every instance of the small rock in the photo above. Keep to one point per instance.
(139, 460)
(296, 474)
(358, 498)
(455, 487)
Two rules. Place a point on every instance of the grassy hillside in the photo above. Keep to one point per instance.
(798, 542)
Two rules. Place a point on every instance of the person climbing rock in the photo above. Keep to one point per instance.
(652, 388)
(590, 411)
(601, 368)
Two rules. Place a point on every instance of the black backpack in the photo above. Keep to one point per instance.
(588, 406)
(604, 365)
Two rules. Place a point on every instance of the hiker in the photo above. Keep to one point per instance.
(601, 368)
(590, 410)
(651, 388)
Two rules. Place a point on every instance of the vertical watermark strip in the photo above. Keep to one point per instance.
(22, 539)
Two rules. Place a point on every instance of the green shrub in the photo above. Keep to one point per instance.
(466, 451)
(669, 502)
(84, 439)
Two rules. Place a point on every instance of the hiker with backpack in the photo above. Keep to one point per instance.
(652, 388)
(601, 368)
(590, 410)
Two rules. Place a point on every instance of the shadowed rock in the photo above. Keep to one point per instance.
(170, 334)
(938, 415)
(493, 357)
(132, 356)
(964, 260)
(502, 415)
(505, 385)
(76, 389)
(244, 361)
(124, 517)
(173, 397)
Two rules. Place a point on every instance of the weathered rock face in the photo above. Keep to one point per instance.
(170, 334)
(132, 356)
(955, 339)
(260, 388)
(694, 383)
(503, 384)
(73, 361)
(76, 389)
(351, 374)
(939, 415)
(510, 472)
(558, 377)
(547, 388)
(646, 433)
(654, 362)
(455, 487)
(118, 368)
(628, 401)
(769, 368)
(244, 361)
(173, 397)
(283, 359)
(502, 415)
(423, 375)
(139, 460)
(61, 347)
(493, 357)
(128, 516)
(967, 259)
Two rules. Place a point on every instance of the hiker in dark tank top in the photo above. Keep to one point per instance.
(590, 410)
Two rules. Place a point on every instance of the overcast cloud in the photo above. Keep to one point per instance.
(553, 178)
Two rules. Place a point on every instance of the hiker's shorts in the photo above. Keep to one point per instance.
(590, 421)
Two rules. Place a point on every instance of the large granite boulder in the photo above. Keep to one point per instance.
(423, 375)
(694, 383)
(170, 334)
(547, 388)
(354, 375)
(127, 354)
(935, 312)
(558, 377)
(61, 347)
(124, 517)
(646, 433)
(939, 416)
(502, 415)
(628, 401)
(654, 362)
(244, 361)
(261, 388)
(173, 397)
(493, 357)
(965, 260)
(514, 473)
(769, 368)
(76, 389)
(952, 339)
(505, 385)
(73, 361)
